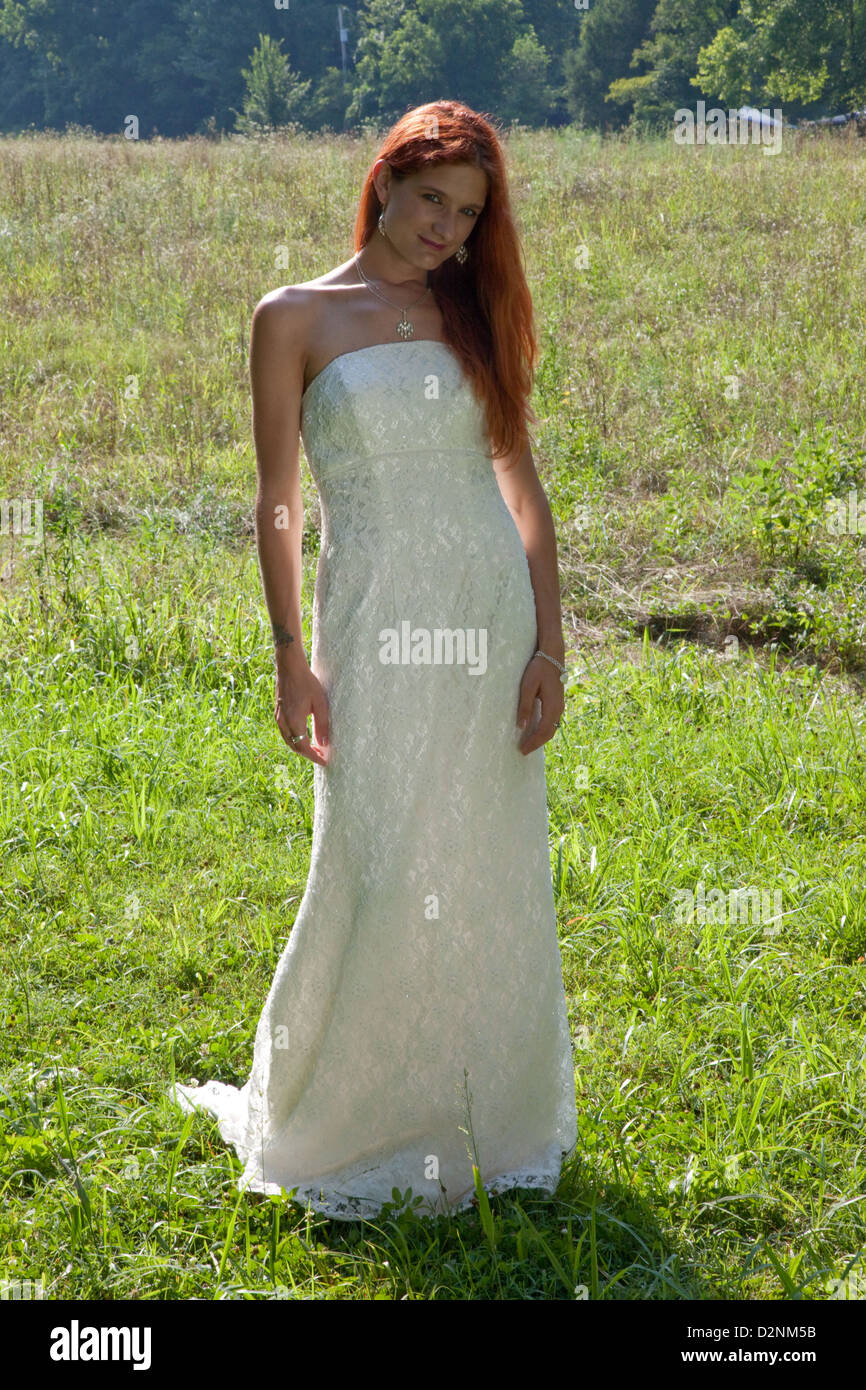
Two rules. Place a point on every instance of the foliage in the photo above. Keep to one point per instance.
(273, 92)
(609, 34)
(179, 65)
(798, 54)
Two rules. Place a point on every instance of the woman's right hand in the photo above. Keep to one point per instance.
(300, 694)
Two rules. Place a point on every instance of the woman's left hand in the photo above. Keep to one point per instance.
(541, 681)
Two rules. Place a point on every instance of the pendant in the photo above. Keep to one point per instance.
(405, 328)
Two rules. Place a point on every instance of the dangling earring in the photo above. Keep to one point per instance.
(382, 223)
(461, 255)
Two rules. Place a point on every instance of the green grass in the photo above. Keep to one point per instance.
(156, 831)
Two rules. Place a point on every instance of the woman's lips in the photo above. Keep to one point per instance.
(434, 246)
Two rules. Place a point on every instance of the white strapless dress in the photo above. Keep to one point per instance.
(416, 1024)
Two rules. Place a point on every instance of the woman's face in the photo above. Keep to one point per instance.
(432, 212)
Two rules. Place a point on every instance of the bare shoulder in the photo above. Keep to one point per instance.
(284, 314)
(291, 322)
(291, 307)
(282, 326)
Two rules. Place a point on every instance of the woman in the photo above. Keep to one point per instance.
(416, 1027)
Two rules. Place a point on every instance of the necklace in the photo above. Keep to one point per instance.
(405, 328)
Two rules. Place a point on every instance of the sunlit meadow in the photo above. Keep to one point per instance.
(700, 433)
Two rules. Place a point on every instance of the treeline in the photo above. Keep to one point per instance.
(177, 67)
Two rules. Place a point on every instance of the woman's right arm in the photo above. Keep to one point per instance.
(276, 377)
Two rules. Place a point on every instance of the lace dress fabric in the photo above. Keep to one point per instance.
(416, 1023)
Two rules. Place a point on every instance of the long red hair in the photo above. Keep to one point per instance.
(486, 306)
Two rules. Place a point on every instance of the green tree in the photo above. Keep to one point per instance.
(558, 30)
(526, 94)
(273, 92)
(331, 94)
(777, 51)
(609, 33)
(95, 64)
(728, 70)
(669, 53)
(431, 50)
(218, 34)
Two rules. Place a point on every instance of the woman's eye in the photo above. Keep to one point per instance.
(471, 211)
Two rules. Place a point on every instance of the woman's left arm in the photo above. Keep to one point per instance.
(527, 502)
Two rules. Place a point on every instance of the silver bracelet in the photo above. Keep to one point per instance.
(563, 669)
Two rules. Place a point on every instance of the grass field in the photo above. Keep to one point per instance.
(700, 400)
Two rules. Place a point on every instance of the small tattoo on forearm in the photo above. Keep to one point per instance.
(282, 638)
